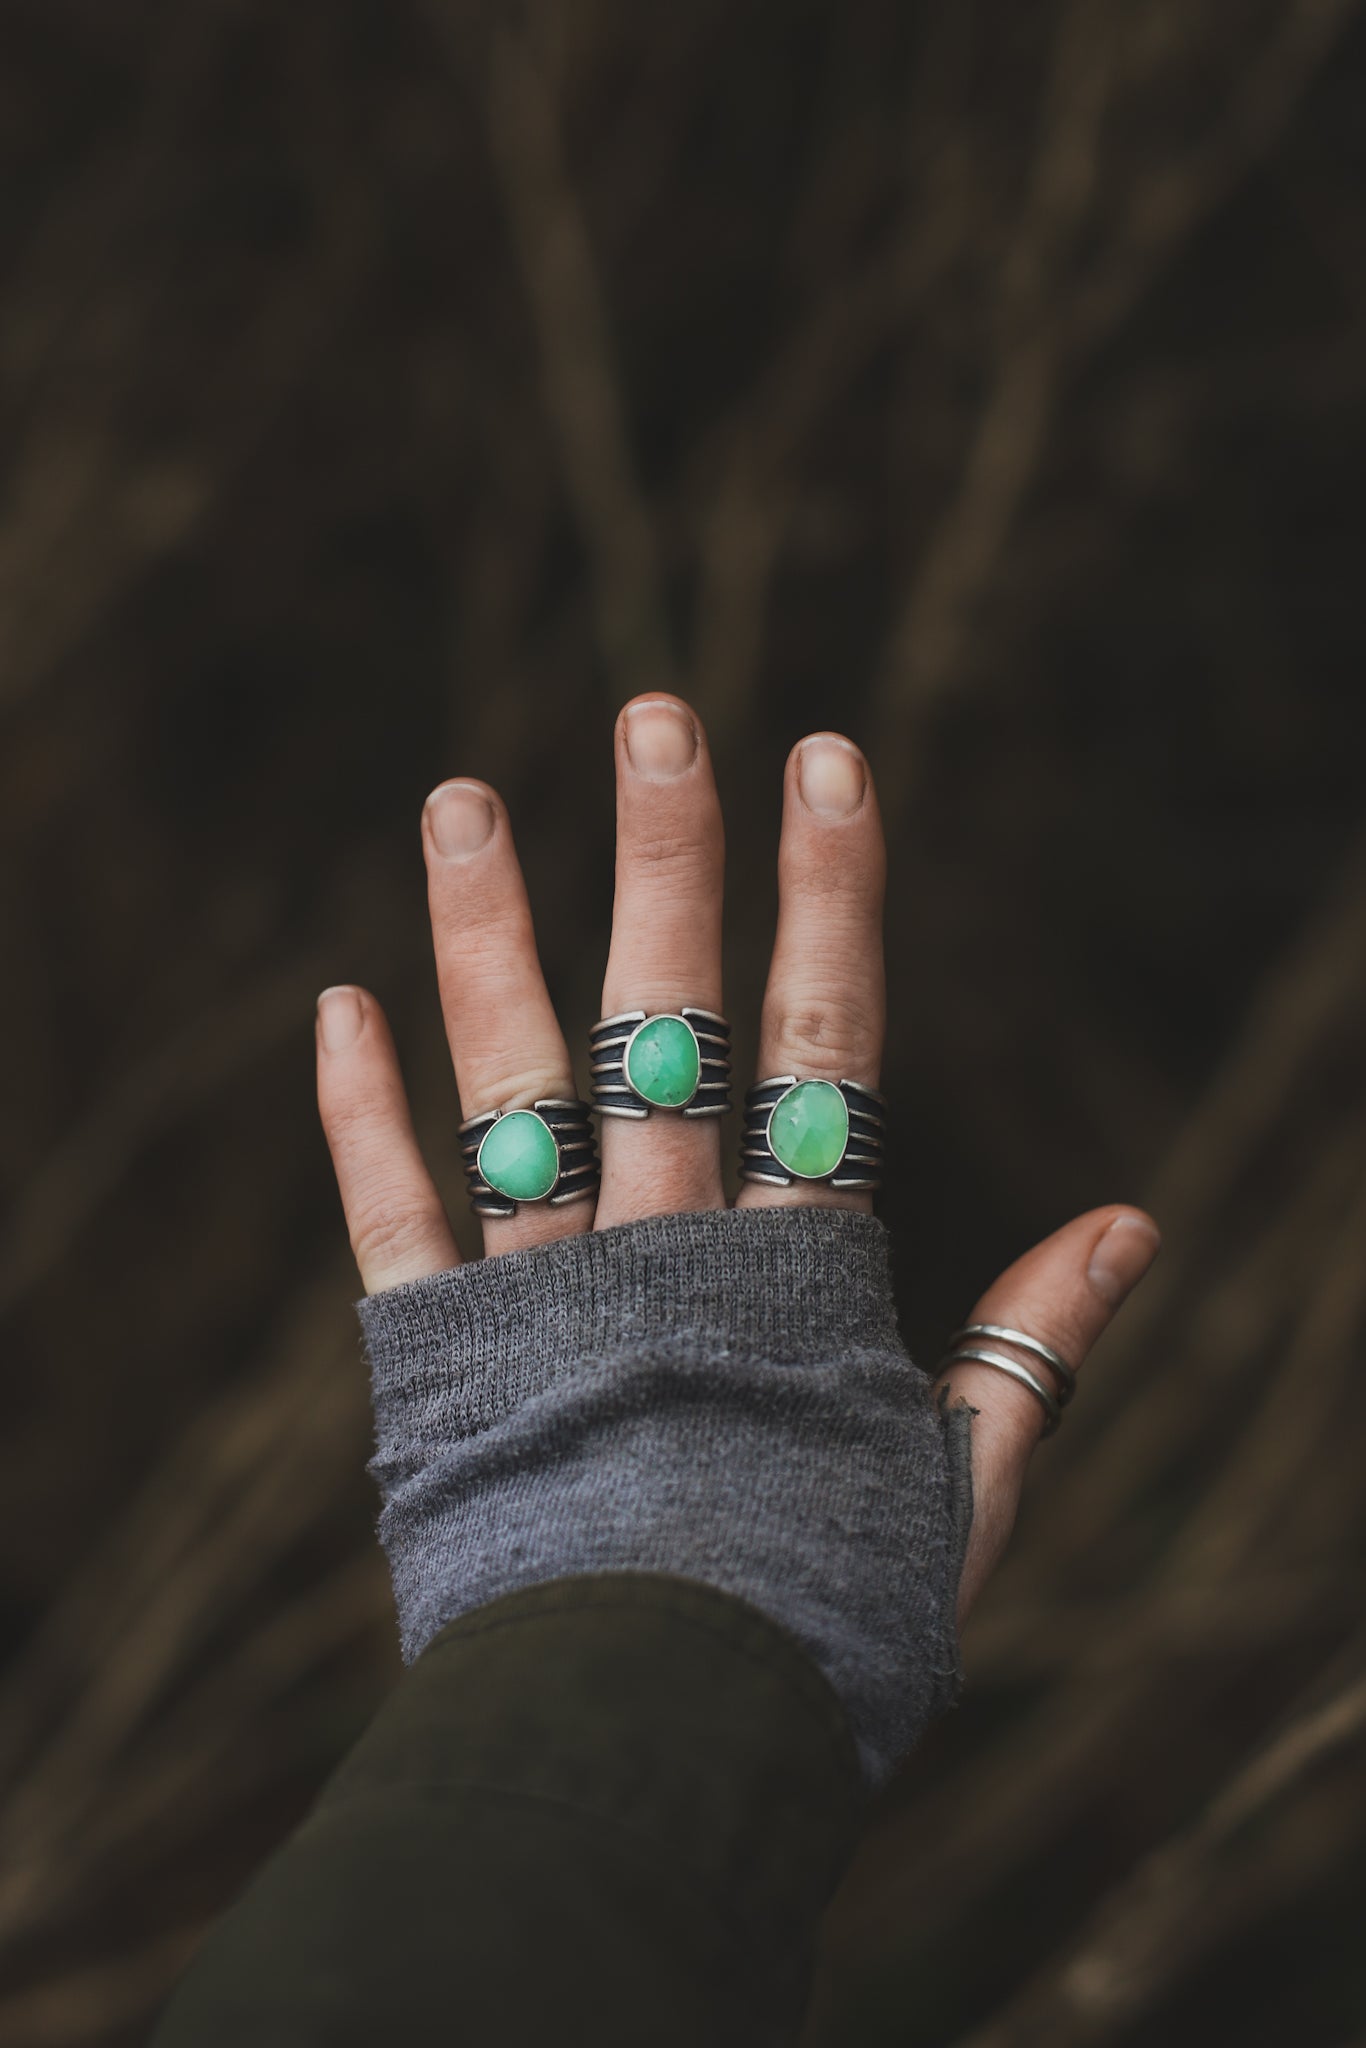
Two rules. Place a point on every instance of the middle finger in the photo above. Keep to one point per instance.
(666, 947)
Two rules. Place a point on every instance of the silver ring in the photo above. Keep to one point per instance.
(971, 1353)
(1043, 1351)
(565, 1169)
(672, 1060)
(838, 1132)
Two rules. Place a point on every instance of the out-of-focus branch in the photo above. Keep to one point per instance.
(1151, 1927)
(217, 1553)
(78, 2010)
(1189, 1619)
(925, 641)
(83, 521)
(1050, 322)
(585, 398)
(174, 1783)
(85, 1169)
(1164, 208)
(1309, 1004)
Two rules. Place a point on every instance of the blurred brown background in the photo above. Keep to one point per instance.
(389, 390)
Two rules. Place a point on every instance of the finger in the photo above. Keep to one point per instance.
(397, 1224)
(1064, 1292)
(505, 1040)
(666, 946)
(825, 1005)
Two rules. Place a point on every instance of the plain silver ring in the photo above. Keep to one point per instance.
(1044, 1351)
(1021, 1373)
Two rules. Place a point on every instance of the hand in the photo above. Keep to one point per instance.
(823, 1015)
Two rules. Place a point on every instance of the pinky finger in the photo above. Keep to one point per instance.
(397, 1222)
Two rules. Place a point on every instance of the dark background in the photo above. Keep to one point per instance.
(389, 390)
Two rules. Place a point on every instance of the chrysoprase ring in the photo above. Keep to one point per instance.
(642, 1061)
(811, 1130)
(547, 1153)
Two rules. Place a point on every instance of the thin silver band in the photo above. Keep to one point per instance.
(1040, 1350)
(974, 1353)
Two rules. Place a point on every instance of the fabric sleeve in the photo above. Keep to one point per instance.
(605, 1810)
(675, 1533)
(721, 1394)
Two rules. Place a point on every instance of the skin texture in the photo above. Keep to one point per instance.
(824, 1016)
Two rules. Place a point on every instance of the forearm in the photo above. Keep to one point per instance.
(607, 1809)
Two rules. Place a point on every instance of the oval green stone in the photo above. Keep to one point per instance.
(519, 1156)
(808, 1129)
(664, 1062)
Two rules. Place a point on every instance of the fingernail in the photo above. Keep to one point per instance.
(830, 777)
(340, 1017)
(660, 739)
(461, 819)
(1122, 1257)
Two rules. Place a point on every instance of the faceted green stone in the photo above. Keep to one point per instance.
(809, 1129)
(519, 1156)
(664, 1063)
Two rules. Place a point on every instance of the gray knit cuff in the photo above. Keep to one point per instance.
(721, 1394)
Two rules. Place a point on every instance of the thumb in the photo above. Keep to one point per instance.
(1064, 1293)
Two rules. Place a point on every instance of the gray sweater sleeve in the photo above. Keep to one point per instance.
(720, 1394)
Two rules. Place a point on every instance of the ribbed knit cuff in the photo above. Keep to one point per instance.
(748, 1282)
(721, 1394)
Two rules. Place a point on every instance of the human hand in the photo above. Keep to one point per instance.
(823, 1016)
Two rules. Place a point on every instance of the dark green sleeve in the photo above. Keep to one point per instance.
(607, 1809)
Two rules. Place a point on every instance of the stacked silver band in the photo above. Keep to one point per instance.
(1053, 1404)
(610, 1044)
(859, 1164)
(576, 1145)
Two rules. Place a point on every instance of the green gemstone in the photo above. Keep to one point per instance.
(809, 1129)
(519, 1156)
(663, 1062)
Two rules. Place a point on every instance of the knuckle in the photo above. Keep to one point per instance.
(389, 1223)
(354, 1122)
(855, 872)
(679, 855)
(826, 1031)
(491, 1087)
(482, 927)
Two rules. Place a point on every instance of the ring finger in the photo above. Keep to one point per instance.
(505, 1039)
(825, 1005)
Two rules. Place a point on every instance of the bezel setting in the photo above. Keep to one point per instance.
(615, 1094)
(813, 1082)
(661, 1016)
(547, 1193)
(860, 1164)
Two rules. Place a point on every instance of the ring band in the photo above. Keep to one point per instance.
(1044, 1351)
(1053, 1404)
(547, 1153)
(809, 1130)
(643, 1060)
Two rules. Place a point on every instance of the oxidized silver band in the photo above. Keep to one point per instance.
(688, 1072)
(1053, 1404)
(859, 1164)
(577, 1171)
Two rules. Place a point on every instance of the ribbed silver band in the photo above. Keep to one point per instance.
(860, 1163)
(575, 1140)
(613, 1094)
